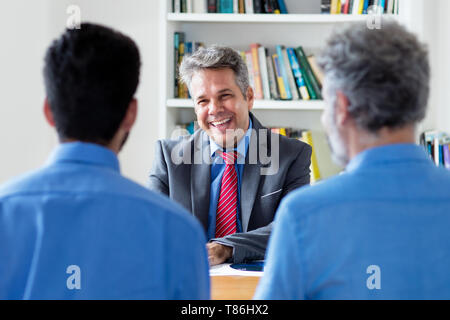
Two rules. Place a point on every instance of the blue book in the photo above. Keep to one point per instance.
(366, 5)
(382, 5)
(297, 71)
(283, 72)
(282, 6)
(226, 6)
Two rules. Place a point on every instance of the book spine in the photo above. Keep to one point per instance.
(199, 6)
(176, 44)
(257, 6)
(325, 7)
(318, 74)
(335, 6)
(212, 6)
(183, 6)
(176, 6)
(249, 61)
(282, 5)
(315, 173)
(264, 72)
(235, 6)
(309, 74)
(226, 6)
(272, 79)
(189, 6)
(298, 74)
(279, 77)
(249, 6)
(291, 80)
(366, 6)
(346, 6)
(312, 93)
(361, 7)
(283, 69)
(182, 90)
(276, 7)
(256, 71)
(268, 6)
(382, 5)
(241, 6)
(355, 7)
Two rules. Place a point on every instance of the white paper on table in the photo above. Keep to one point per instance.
(224, 269)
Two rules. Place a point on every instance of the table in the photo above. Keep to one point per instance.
(231, 284)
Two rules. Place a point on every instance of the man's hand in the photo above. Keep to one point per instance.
(218, 253)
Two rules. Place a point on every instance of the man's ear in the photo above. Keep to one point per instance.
(48, 113)
(250, 98)
(130, 116)
(342, 115)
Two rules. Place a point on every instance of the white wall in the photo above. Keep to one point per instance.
(27, 29)
(25, 139)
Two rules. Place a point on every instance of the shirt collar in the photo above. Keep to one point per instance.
(387, 154)
(241, 147)
(82, 152)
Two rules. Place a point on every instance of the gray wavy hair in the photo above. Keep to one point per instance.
(383, 72)
(215, 57)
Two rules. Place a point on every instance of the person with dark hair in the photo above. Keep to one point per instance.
(76, 228)
(380, 229)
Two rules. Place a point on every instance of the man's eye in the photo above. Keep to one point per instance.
(201, 102)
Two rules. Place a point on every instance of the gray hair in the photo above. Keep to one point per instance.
(383, 72)
(215, 57)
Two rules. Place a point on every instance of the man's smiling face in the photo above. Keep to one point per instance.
(222, 110)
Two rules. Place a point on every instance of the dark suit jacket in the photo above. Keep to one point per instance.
(274, 166)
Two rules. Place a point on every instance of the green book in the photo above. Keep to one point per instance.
(310, 79)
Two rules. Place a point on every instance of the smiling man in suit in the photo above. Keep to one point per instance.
(232, 172)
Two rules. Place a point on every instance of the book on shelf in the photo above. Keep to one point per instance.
(283, 70)
(298, 74)
(357, 7)
(287, 74)
(313, 86)
(291, 80)
(230, 6)
(436, 144)
(279, 77)
(258, 87)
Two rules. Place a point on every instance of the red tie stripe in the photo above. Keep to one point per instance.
(227, 204)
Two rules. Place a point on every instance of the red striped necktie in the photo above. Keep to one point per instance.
(227, 205)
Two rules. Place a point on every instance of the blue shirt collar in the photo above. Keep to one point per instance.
(241, 147)
(387, 154)
(82, 152)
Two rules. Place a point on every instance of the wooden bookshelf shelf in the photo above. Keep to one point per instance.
(265, 18)
(261, 104)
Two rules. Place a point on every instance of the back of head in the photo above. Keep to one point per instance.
(91, 75)
(383, 72)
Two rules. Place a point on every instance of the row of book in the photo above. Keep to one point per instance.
(182, 48)
(437, 145)
(359, 6)
(287, 74)
(307, 137)
(229, 6)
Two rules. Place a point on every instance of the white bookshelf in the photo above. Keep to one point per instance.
(304, 26)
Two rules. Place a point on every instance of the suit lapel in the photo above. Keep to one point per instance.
(200, 178)
(251, 174)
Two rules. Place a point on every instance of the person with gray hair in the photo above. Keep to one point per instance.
(380, 229)
(232, 172)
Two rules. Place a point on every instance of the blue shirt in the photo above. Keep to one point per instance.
(77, 229)
(378, 231)
(217, 170)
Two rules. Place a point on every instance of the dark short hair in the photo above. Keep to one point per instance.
(91, 75)
(384, 73)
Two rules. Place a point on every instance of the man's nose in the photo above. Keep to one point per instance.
(215, 106)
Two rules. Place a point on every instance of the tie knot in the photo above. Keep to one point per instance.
(229, 157)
